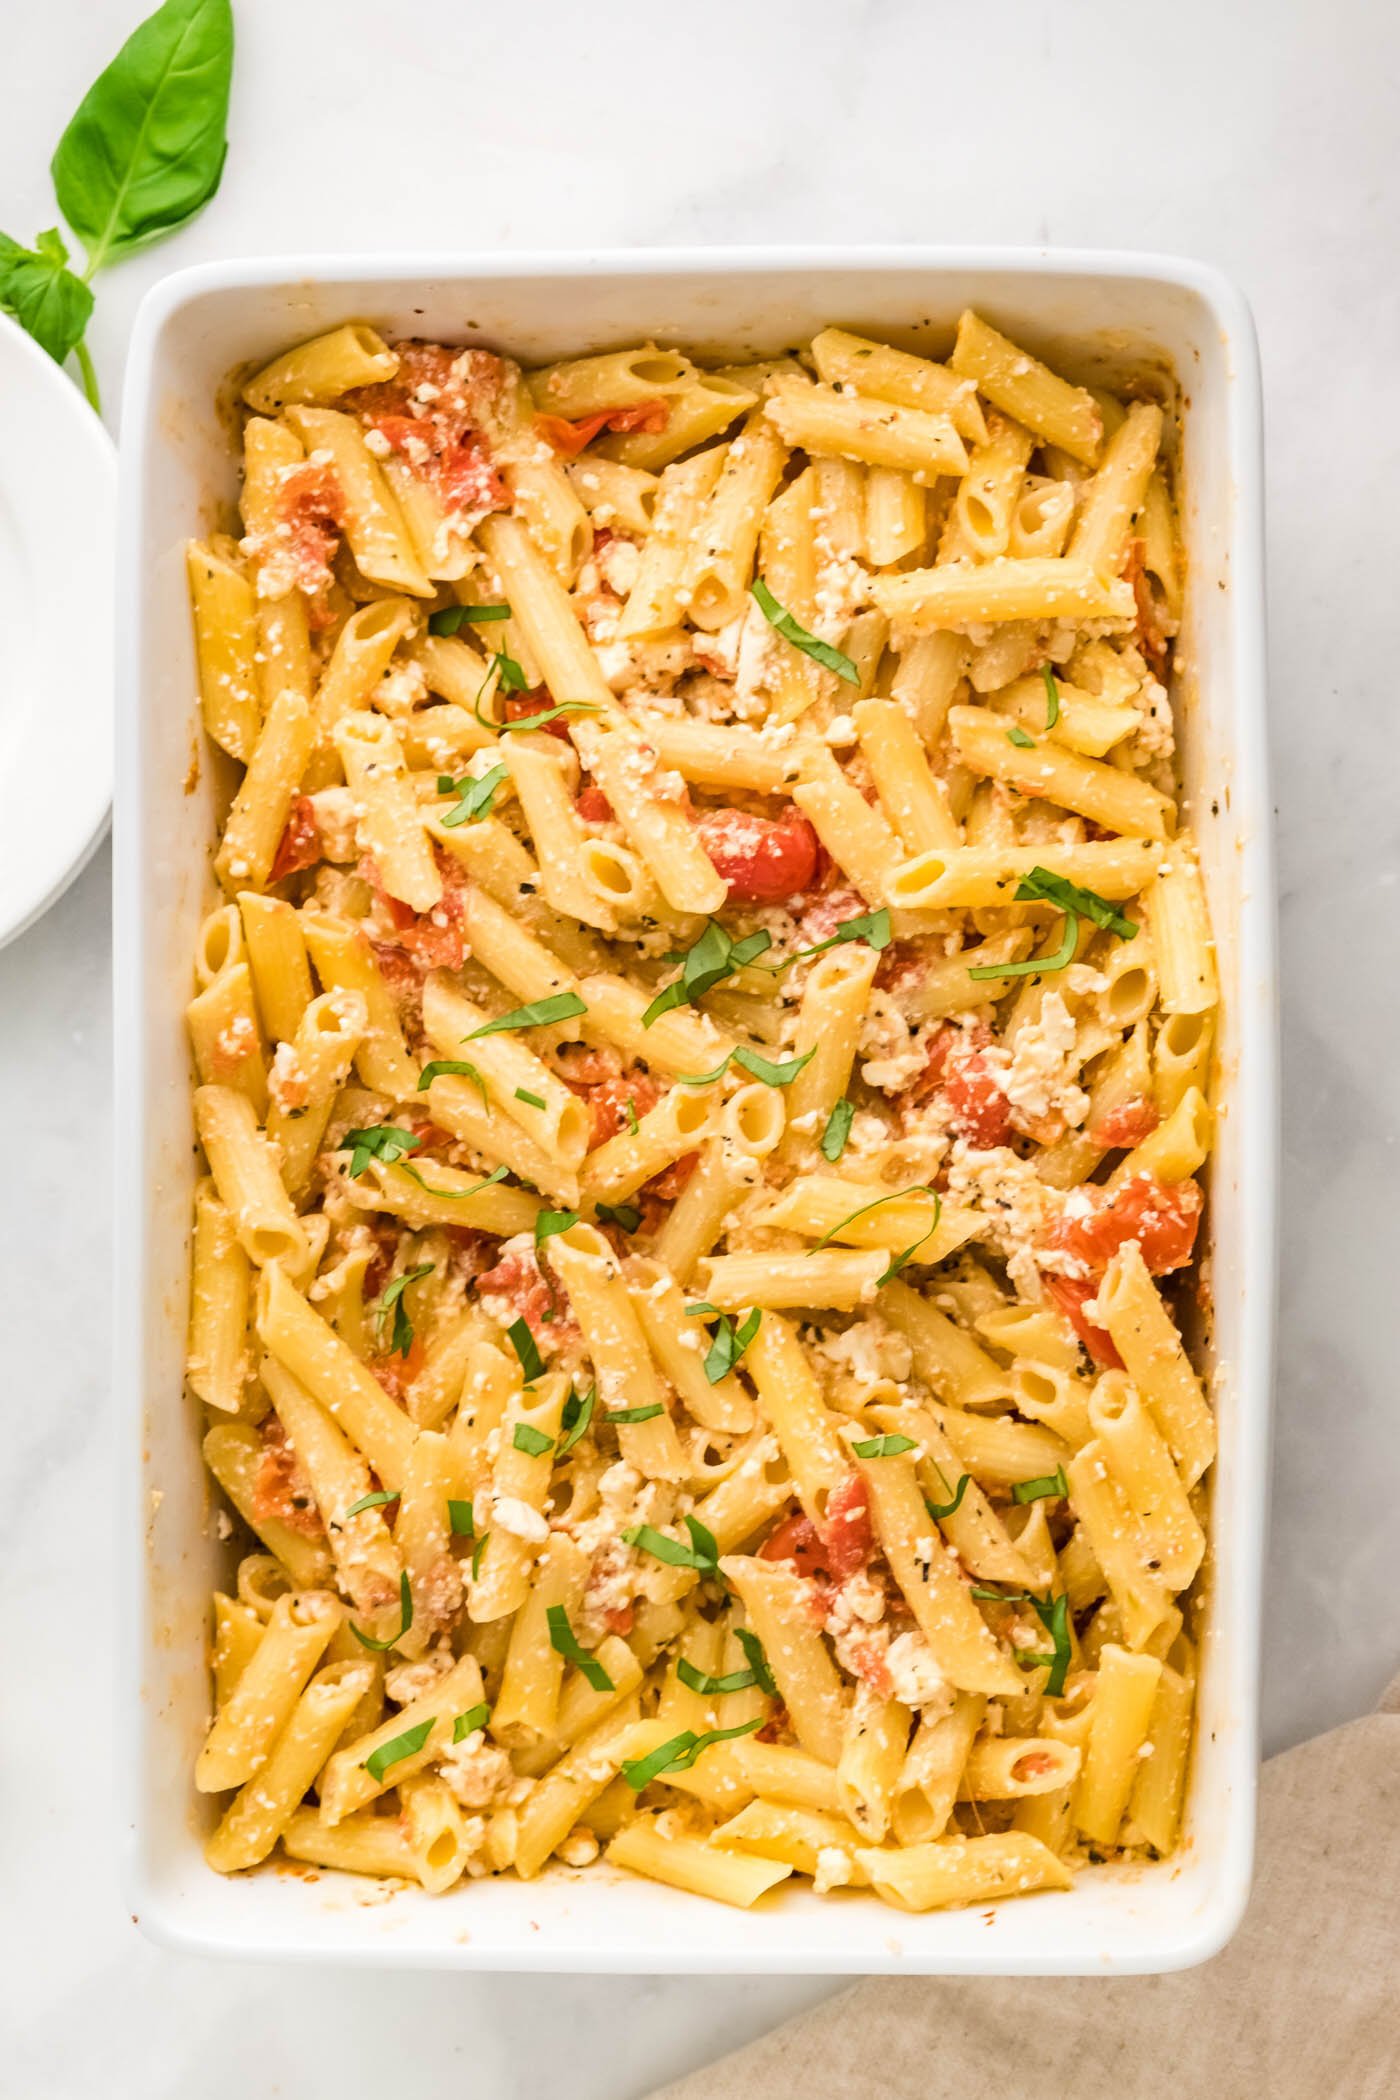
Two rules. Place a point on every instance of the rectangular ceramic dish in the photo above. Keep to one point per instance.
(1095, 316)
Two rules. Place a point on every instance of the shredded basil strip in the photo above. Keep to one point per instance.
(578, 1413)
(634, 1414)
(875, 928)
(451, 617)
(406, 1616)
(475, 796)
(781, 1072)
(530, 1100)
(399, 1747)
(758, 1661)
(456, 1195)
(1035, 966)
(632, 1124)
(626, 1215)
(702, 1553)
(526, 1351)
(549, 1223)
(710, 959)
(477, 1551)
(883, 1446)
(375, 1501)
(1016, 735)
(801, 637)
(401, 1339)
(679, 1754)
(1052, 697)
(1054, 1617)
(538, 1014)
(467, 1724)
(948, 1509)
(1042, 1488)
(1042, 886)
(564, 1641)
(530, 1440)
(729, 1344)
(838, 1129)
(712, 1687)
(906, 1255)
(462, 1519)
(452, 1068)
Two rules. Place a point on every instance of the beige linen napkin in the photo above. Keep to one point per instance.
(1304, 2004)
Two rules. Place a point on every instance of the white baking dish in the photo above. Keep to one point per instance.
(1091, 314)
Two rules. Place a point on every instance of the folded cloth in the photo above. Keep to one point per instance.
(1304, 2004)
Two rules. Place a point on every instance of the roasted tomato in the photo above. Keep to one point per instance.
(1163, 1217)
(593, 805)
(1127, 1125)
(533, 1296)
(300, 844)
(956, 1069)
(798, 1540)
(608, 1100)
(518, 707)
(281, 1487)
(1070, 1295)
(570, 436)
(764, 860)
(849, 1538)
(311, 516)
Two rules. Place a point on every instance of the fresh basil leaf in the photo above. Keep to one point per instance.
(1035, 966)
(531, 1101)
(145, 148)
(801, 638)
(674, 1552)
(729, 1344)
(679, 1754)
(626, 1215)
(1046, 1487)
(452, 617)
(549, 1223)
(47, 300)
(406, 1612)
(883, 1446)
(477, 1551)
(781, 1072)
(475, 796)
(563, 1641)
(706, 963)
(1052, 697)
(375, 1501)
(452, 1068)
(1044, 887)
(704, 1542)
(391, 1300)
(838, 1129)
(758, 1661)
(527, 1354)
(578, 1413)
(381, 1141)
(399, 1747)
(467, 1724)
(634, 1414)
(530, 1440)
(540, 1013)
(462, 1519)
(948, 1509)
(713, 1687)
(1016, 735)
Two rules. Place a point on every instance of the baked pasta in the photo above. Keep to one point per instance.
(701, 1056)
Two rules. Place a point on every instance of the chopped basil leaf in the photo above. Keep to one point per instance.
(702, 1553)
(528, 1356)
(1044, 887)
(758, 1661)
(801, 638)
(948, 1509)
(532, 1441)
(1054, 1617)
(679, 1754)
(375, 1501)
(401, 1340)
(399, 1747)
(626, 1215)
(475, 796)
(467, 1724)
(729, 1344)
(712, 1687)
(477, 1551)
(563, 1006)
(873, 927)
(1042, 1489)
(1052, 697)
(1016, 735)
(838, 1129)
(563, 1641)
(578, 1413)
(530, 1100)
(632, 1123)
(451, 617)
(548, 1223)
(883, 1446)
(384, 1141)
(900, 1260)
(1035, 966)
(406, 1614)
(452, 1068)
(462, 1519)
(456, 1195)
(781, 1072)
(634, 1414)
(513, 679)
(712, 958)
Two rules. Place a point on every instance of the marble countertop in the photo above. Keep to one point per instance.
(1261, 138)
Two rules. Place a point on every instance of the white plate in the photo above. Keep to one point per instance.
(58, 477)
(1108, 314)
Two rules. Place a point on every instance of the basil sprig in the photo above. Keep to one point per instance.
(540, 1013)
(142, 154)
(706, 963)
(801, 637)
(550, 1223)
(564, 1641)
(462, 1519)
(679, 1754)
(648, 1413)
(391, 1301)
(452, 617)
(758, 1661)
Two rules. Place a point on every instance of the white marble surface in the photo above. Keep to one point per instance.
(1258, 136)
